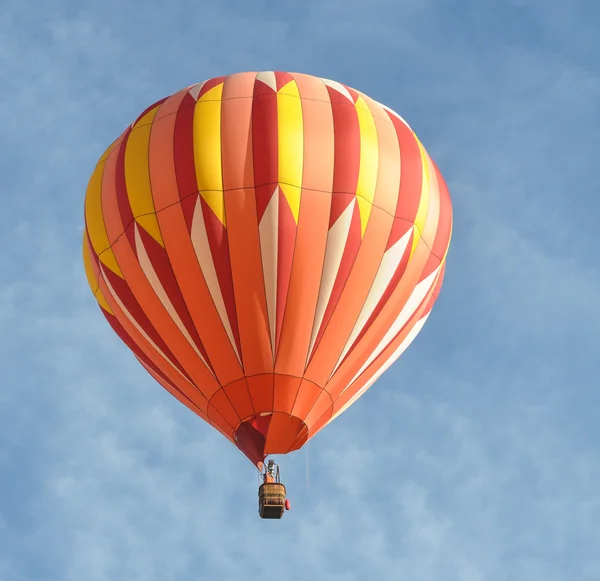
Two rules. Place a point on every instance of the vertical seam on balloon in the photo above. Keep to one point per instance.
(231, 270)
(258, 232)
(257, 224)
(254, 189)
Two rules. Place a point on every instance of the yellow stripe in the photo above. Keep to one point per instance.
(95, 221)
(137, 176)
(207, 150)
(290, 136)
(369, 162)
(91, 277)
(424, 202)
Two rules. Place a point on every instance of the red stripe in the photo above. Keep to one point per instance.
(219, 249)
(210, 84)
(411, 173)
(264, 144)
(124, 206)
(442, 236)
(282, 79)
(183, 156)
(346, 134)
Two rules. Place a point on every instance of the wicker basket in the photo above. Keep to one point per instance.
(271, 500)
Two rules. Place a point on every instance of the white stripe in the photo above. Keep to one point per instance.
(269, 245)
(336, 243)
(201, 246)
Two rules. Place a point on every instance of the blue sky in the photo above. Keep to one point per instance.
(475, 458)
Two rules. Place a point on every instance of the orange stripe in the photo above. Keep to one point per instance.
(261, 392)
(163, 179)
(248, 282)
(238, 394)
(236, 132)
(283, 430)
(308, 393)
(388, 173)
(317, 173)
(285, 391)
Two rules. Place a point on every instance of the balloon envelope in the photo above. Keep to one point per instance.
(266, 244)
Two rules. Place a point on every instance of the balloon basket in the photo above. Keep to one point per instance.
(271, 500)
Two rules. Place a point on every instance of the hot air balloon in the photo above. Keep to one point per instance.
(267, 245)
